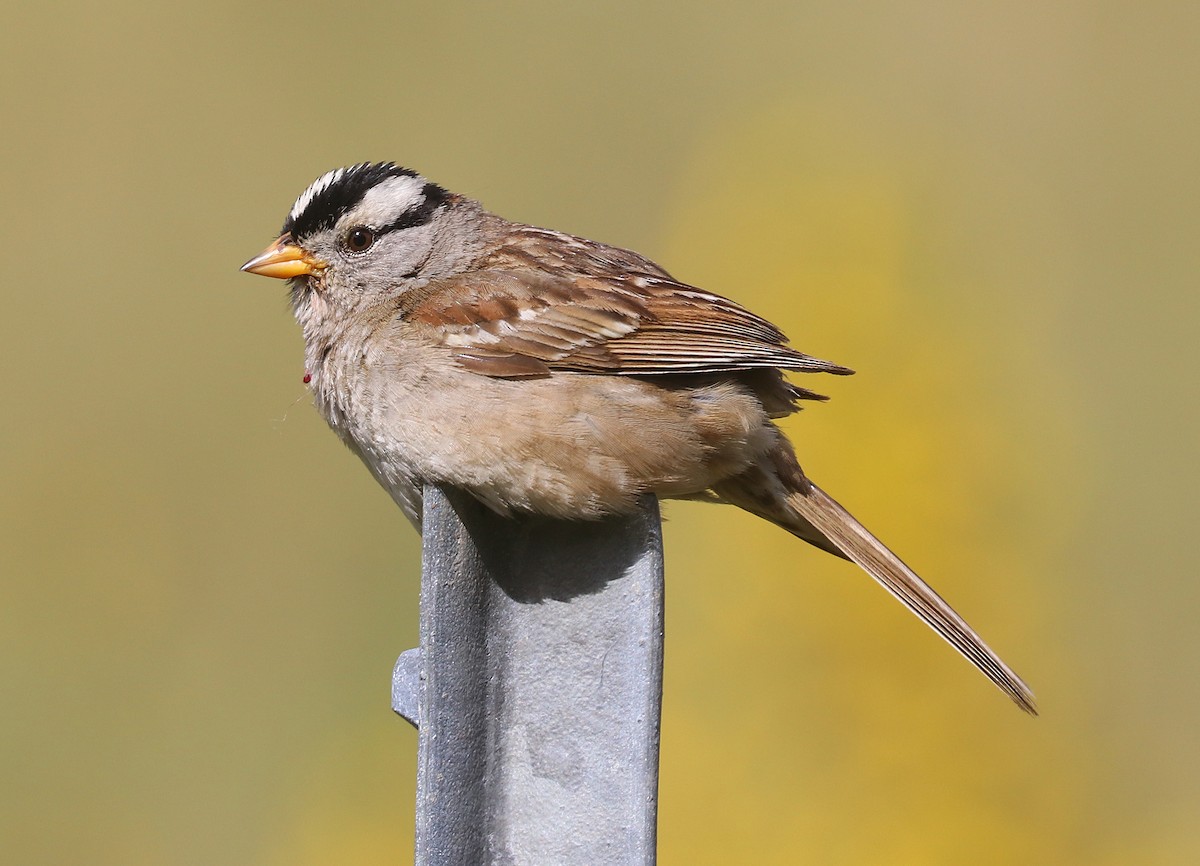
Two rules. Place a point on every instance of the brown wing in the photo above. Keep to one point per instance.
(560, 303)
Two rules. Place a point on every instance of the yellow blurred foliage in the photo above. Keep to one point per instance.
(838, 704)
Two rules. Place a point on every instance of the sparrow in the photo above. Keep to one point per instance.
(548, 374)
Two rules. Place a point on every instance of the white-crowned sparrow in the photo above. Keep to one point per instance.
(549, 374)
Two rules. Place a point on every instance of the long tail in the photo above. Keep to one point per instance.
(816, 517)
(852, 538)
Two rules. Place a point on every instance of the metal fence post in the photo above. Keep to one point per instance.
(536, 688)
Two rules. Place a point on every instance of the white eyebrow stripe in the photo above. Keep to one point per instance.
(389, 200)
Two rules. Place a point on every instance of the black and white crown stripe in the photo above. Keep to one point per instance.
(317, 187)
(336, 192)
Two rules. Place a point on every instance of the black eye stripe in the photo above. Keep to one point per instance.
(419, 214)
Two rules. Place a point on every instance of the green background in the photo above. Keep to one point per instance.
(990, 210)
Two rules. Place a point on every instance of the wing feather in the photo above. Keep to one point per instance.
(552, 302)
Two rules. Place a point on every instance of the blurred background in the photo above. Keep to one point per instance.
(990, 210)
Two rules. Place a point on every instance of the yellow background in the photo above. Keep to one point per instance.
(990, 210)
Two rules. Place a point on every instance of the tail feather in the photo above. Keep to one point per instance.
(836, 525)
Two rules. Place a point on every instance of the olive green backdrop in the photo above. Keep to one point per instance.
(990, 210)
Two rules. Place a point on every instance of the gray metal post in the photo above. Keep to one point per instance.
(536, 689)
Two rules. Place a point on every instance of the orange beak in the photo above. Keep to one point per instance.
(283, 260)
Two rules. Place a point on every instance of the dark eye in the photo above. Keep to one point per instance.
(360, 239)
